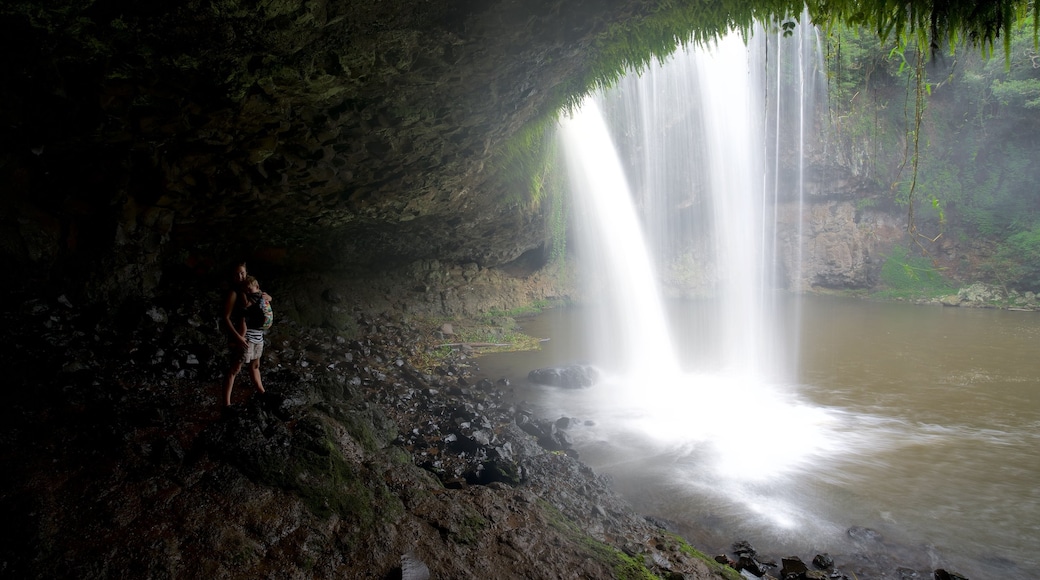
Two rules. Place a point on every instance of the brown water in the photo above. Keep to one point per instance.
(921, 423)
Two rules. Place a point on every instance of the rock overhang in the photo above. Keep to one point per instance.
(369, 134)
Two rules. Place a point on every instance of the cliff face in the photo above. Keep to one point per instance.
(328, 135)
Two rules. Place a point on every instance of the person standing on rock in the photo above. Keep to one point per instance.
(253, 325)
(236, 304)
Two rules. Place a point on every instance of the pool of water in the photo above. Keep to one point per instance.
(921, 423)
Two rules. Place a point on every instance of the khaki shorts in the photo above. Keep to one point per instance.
(246, 354)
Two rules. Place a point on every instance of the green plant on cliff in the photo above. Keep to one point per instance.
(905, 276)
(1017, 260)
(993, 144)
(497, 338)
(529, 171)
(634, 43)
(950, 140)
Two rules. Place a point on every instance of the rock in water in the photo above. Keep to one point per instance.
(571, 377)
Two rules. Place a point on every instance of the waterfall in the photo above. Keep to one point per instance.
(712, 142)
(689, 181)
(628, 323)
(680, 176)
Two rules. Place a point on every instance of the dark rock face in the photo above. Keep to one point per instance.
(317, 135)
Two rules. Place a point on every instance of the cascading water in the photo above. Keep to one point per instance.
(695, 136)
(714, 142)
(621, 279)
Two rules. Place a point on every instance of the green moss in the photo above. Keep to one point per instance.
(361, 431)
(625, 567)
(399, 456)
(314, 470)
(536, 307)
(720, 569)
(505, 338)
(467, 529)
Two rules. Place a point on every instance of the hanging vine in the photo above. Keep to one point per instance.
(921, 89)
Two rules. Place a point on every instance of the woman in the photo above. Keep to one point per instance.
(234, 312)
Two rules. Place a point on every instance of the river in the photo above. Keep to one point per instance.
(917, 427)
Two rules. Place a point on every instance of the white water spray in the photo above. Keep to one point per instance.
(628, 323)
(697, 133)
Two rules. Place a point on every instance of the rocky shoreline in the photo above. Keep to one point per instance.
(371, 456)
(978, 295)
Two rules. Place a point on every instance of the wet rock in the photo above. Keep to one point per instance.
(751, 565)
(823, 561)
(546, 432)
(862, 534)
(566, 422)
(569, 377)
(747, 559)
(659, 560)
(495, 470)
(726, 560)
(332, 296)
(980, 293)
(951, 300)
(792, 568)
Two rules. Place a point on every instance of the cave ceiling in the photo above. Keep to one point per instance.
(365, 133)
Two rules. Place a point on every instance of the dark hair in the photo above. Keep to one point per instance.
(230, 279)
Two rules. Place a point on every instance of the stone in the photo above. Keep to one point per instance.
(951, 300)
(942, 574)
(823, 561)
(793, 568)
(570, 377)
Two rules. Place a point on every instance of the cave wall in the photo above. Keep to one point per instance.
(151, 144)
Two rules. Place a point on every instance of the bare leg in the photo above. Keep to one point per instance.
(254, 373)
(229, 382)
